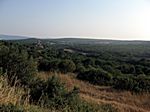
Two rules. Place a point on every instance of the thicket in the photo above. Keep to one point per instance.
(11, 108)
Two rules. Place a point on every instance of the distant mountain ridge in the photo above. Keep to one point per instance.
(26, 39)
(12, 37)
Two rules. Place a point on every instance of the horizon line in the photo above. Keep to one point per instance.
(74, 37)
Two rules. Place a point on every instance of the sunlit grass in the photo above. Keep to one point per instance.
(124, 101)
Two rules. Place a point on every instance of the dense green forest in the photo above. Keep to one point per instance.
(123, 65)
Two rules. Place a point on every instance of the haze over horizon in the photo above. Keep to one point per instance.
(117, 19)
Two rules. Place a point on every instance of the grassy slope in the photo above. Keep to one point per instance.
(14, 95)
(19, 98)
(123, 101)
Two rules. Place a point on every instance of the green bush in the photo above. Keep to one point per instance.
(43, 65)
(136, 84)
(48, 92)
(80, 68)
(11, 108)
(37, 87)
(96, 76)
(67, 66)
(17, 63)
(53, 95)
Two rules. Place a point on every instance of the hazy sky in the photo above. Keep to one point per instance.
(113, 19)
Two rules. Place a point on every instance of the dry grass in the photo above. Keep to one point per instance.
(12, 94)
(17, 96)
(123, 101)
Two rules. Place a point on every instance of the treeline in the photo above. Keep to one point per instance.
(132, 83)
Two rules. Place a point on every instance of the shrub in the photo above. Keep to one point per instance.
(88, 62)
(53, 95)
(54, 64)
(80, 68)
(11, 108)
(67, 66)
(95, 76)
(43, 65)
(17, 63)
(136, 84)
(50, 92)
(37, 88)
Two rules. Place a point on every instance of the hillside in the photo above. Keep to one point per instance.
(12, 37)
(70, 41)
(94, 77)
(124, 101)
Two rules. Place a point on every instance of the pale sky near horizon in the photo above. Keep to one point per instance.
(110, 19)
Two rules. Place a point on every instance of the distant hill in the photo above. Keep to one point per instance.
(12, 37)
(84, 41)
(69, 41)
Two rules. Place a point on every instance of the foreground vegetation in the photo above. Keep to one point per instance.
(100, 64)
(44, 95)
(21, 90)
(123, 101)
(122, 67)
